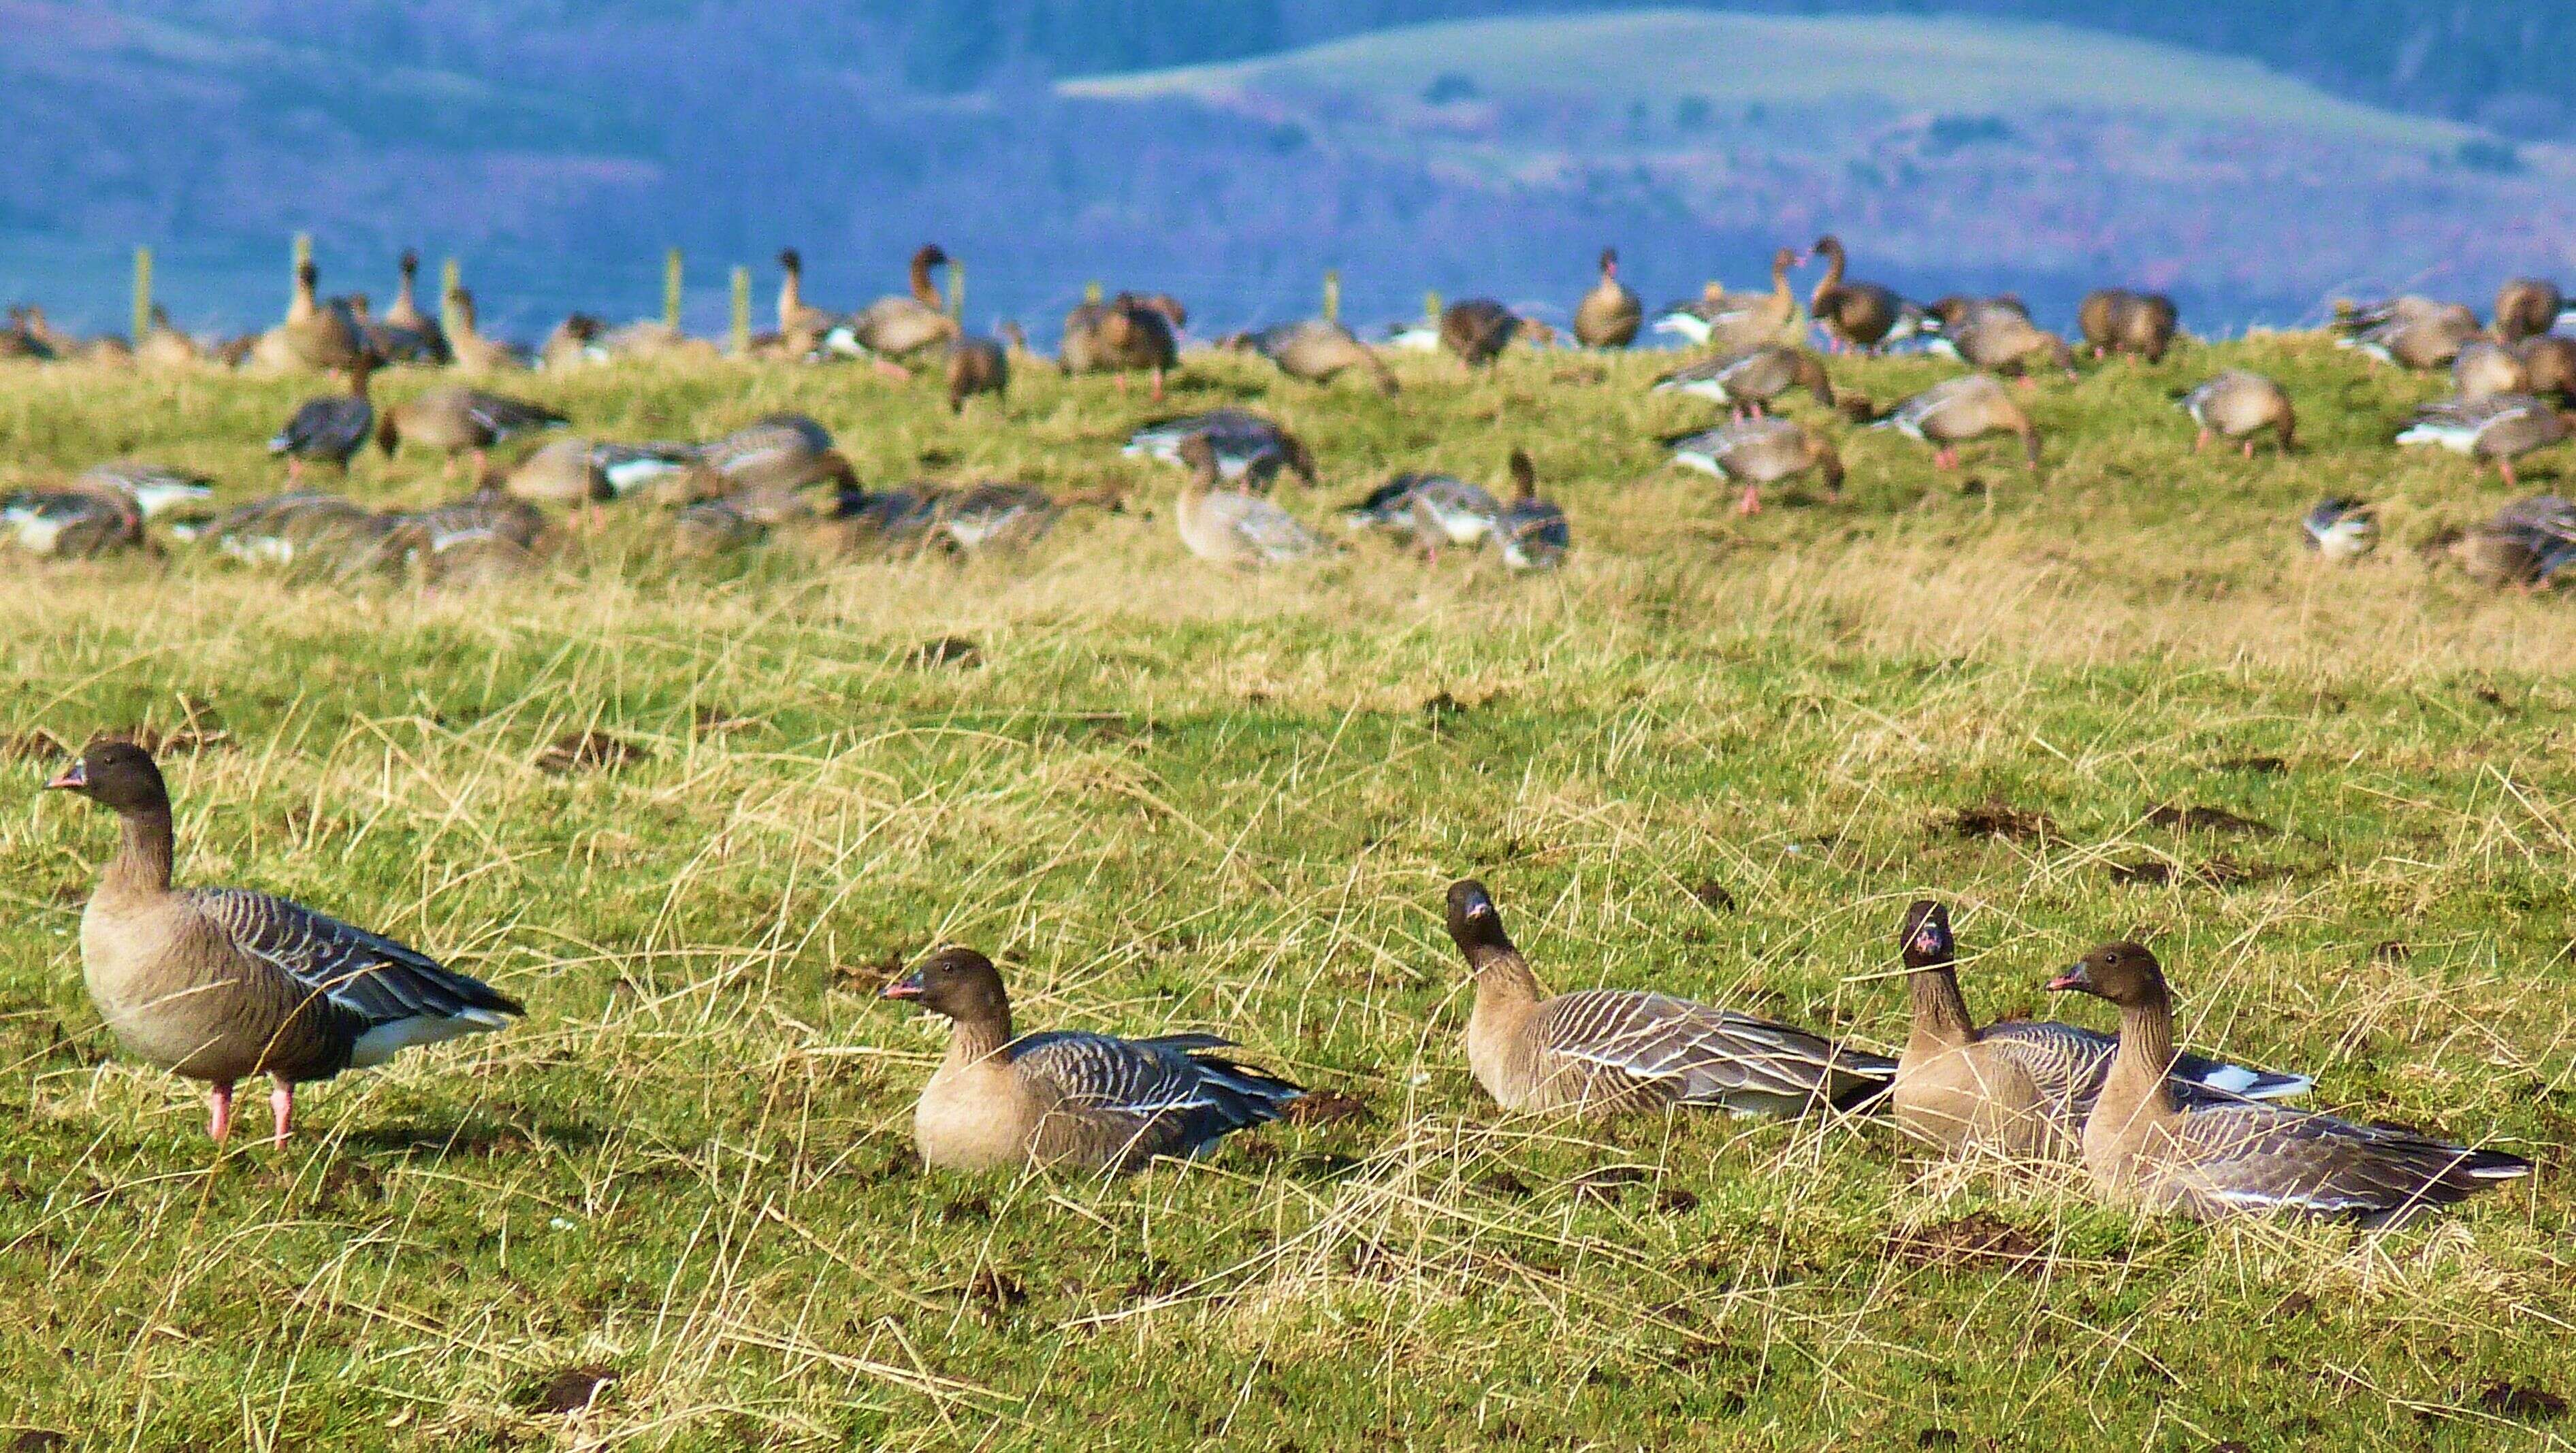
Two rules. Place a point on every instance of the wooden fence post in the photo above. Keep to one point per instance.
(957, 290)
(1333, 295)
(451, 280)
(142, 292)
(671, 290)
(1431, 305)
(1091, 293)
(741, 311)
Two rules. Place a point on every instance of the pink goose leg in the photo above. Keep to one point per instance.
(219, 1110)
(281, 1104)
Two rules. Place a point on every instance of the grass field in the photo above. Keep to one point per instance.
(1710, 756)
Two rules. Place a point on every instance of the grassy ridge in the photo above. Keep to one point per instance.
(1168, 798)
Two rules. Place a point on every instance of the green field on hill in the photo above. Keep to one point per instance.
(678, 1206)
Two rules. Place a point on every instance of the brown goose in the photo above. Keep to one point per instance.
(1730, 322)
(976, 366)
(579, 338)
(1317, 352)
(1756, 452)
(315, 335)
(469, 348)
(2016, 1089)
(1956, 410)
(1229, 527)
(1130, 333)
(405, 315)
(1605, 1051)
(2550, 363)
(2116, 320)
(2239, 404)
(163, 345)
(1066, 1098)
(1853, 314)
(801, 325)
(1477, 330)
(456, 420)
(2003, 341)
(2485, 369)
(894, 328)
(1609, 315)
(2229, 1158)
(2527, 307)
(220, 984)
(2411, 332)
(2502, 428)
(1747, 381)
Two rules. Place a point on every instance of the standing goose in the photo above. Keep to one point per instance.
(2527, 307)
(1127, 334)
(2238, 404)
(1956, 410)
(1068, 1099)
(2115, 320)
(2002, 341)
(896, 327)
(331, 429)
(1731, 322)
(1609, 315)
(220, 984)
(456, 420)
(1315, 351)
(2502, 428)
(801, 325)
(416, 335)
(1853, 314)
(2215, 1160)
(2017, 1090)
(1756, 452)
(325, 337)
(1450, 511)
(1477, 330)
(1608, 1051)
(2484, 370)
(1249, 448)
(1232, 528)
(2549, 362)
(1751, 379)
(976, 366)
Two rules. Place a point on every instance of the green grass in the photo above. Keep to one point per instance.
(1945, 62)
(1170, 797)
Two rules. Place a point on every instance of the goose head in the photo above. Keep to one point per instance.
(2124, 973)
(956, 982)
(116, 775)
(1475, 924)
(1926, 937)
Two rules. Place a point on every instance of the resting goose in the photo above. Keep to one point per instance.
(303, 530)
(331, 429)
(896, 327)
(1232, 528)
(220, 984)
(1249, 448)
(2238, 404)
(2339, 529)
(2017, 1090)
(2115, 320)
(2208, 1161)
(1477, 330)
(153, 490)
(1853, 314)
(778, 453)
(1315, 351)
(456, 420)
(2527, 307)
(2410, 332)
(1065, 1098)
(571, 471)
(2529, 544)
(2502, 428)
(801, 325)
(2484, 369)
(163, 345)
(1731, 322)
(1956, 410)
(1608, 1051)
(1751, 379)
(2549, 361)
(69, 523)
(994, 515)
(1534, 533)
(1609, 315)
(1756, 452)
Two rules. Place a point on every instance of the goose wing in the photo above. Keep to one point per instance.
(502, 416)
(2263, 1157)
(1169, 1094)
(390, 994)
(1706, 1056)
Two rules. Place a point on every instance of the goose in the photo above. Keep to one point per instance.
(69, 347)
(472, 351)
(487, 511)
(777, 454)
(2208, 1161)
(152, 490)
(1231, 528)
(418, 337)
(2527, 307)
(2339, 529)
(976, 366)
(1533, 533)
(2484, 369)
(2115, 320)
(1751, 379)
(801, 325)
(1999, 340)
(1127, 334)
(2017, 1090)
(1609, 315)
(2239, 404)
(1477, 330)
(305, 530)
(2414, 333)
(1756, 452)
(2502, 428)
(896, 327)
(1065, 1098)
(325, 337)
(995, 515)
(1450, 511)
(1958, 310)
(1731, 322)
(571, 470)
(1419, 336)
(2549, 361)
(575, 340)
(1249, 448)
(712, 527)
(163, 345)
(1387, 508)
(1853, 314)
(220, 984)
(1956, 410)
(1608, 1051)
(2528, 544)
(651, 339)
(457, 420)
(331, 429)
(69, 523)
(1318, 352)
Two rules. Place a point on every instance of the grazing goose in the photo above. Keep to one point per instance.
(1756, 452)
(1751, 379)
(1066, 1098)
(571, 471)
(2207, 1161)
(1315, 351)
(2502, 428)
(1853, 314)
(2238, 404)
(2115, 320)
(779, 453)
(1232, 528)
(2017, 1090)
(487, 511)
(1477, 330)
(1534, 533)
(471, 350)
(1450, 511)
(1130, 333)
(976, 366)
(1609, 315)
(1956, 410)
(304, 530)
(2410, 332)
(2549, 361)
(1732, 322)
(2527, 307)
(331, 429)
(896, 327)
(801, 325)
(69, 523)
(220, 984)
(2003, 341)
(1249, 448)
(1607, 1051)
(1387, 508)
(455, 420)
(2484, 369)
(2339, 529)
(2530, 543)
